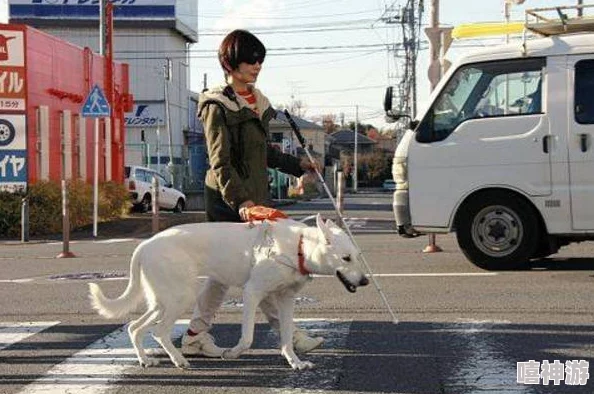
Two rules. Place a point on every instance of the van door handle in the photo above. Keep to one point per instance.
(584, 142)
(545, 143)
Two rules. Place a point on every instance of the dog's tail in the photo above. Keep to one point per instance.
(118, 307)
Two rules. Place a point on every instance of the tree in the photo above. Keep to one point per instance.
(375, 166)
(295, 107)
(373, 134)
(329, 123)
(362, 129)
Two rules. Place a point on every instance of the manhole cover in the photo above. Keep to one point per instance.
(87, 275)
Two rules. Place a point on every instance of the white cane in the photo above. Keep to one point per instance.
(344, 224)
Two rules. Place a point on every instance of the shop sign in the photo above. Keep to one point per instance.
(13, 153)
(13, 88)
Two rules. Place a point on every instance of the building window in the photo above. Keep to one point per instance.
(277, 137)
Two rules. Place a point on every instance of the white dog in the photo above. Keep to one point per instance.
(265, 258)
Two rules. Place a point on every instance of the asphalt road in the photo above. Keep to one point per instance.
(461, 329)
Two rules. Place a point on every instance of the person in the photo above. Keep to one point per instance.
(236, 120)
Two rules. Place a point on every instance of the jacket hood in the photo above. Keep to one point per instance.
(217, 94)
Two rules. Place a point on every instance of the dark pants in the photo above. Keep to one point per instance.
(217, 209)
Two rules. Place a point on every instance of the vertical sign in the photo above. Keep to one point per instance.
(13, 125)
(13, 89)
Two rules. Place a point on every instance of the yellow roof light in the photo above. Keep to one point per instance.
(471, 30)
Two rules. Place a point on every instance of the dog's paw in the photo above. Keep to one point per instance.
(149, 362)
(301, 365)
(182, 363)
(231, 354)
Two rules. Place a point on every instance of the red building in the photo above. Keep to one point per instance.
(44, 82)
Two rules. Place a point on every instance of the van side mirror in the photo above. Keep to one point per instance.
(390, 116)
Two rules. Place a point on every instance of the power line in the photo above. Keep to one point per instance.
(318, 30)
(305, 25)
(343, 90)
(214, 56)
(253, 16)
(268, 51)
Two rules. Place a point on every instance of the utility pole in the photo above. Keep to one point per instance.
(434, 33)
(102, 27)
(102, 50)
(408, 19)
(355, 176)
(166, 79)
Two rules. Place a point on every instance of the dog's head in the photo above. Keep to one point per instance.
(337, 255)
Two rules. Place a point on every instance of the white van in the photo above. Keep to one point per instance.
(504, 153)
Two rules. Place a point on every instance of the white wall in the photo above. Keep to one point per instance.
(145, 51)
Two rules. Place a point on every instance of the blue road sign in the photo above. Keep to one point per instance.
(96, 104)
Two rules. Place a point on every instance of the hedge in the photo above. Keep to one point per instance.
(45, 206)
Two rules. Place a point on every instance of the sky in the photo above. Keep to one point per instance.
(332, 54)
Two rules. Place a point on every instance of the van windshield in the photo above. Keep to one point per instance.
(483, 90)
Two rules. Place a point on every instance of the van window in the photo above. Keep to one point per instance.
(584, 92)
(484, 90)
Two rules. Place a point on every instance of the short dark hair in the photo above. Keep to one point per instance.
(240, 46)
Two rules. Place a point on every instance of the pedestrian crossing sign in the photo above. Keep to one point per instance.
(96, 104)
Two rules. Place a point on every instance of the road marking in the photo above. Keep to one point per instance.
(103, 241)
(24, 280)
(424, 275)
(418, 275)
(75, 374)
(410, 275)
(13, 332)
(99, 367)
(116, 240)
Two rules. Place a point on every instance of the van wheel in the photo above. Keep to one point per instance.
(145, 204)
(179, 206)
(498, 231)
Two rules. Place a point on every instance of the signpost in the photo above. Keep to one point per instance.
(96, 106)
(13, 118)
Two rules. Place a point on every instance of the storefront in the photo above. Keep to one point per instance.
(44, 82)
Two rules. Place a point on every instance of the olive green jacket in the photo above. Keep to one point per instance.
(239, 152)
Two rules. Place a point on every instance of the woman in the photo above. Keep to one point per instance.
(236, 120)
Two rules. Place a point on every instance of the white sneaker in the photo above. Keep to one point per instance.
(302, 343)
(201, 344)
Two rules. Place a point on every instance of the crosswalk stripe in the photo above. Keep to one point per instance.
(13, 332)
(74, 376)
(100, 366)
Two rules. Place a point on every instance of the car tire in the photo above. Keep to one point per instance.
(498, 231)
(179, 206)
(145, 205)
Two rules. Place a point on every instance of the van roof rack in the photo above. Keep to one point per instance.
(553, 21)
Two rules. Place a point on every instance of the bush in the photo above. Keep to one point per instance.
(45, 206)
(10, 213)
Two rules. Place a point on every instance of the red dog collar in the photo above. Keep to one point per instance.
(301, 258)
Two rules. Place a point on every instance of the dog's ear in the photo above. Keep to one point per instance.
(324, 230)
(331, 224)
